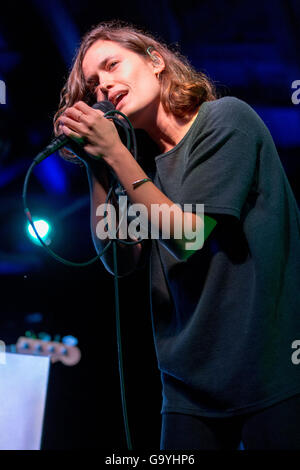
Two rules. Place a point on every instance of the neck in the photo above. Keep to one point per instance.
(167, 130)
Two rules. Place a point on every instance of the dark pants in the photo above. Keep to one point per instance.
(274, 428)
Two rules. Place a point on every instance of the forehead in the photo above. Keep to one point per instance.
(99, 51)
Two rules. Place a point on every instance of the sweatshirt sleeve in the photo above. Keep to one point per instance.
(221, 165)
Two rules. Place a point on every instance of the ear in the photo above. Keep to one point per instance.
(157, 62)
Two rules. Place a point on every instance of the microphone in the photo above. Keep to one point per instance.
(63, 141)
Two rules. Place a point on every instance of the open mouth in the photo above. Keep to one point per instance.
(119, 99)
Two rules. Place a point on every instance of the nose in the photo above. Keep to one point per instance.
(105, 84)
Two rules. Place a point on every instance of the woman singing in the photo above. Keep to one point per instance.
(226, 312)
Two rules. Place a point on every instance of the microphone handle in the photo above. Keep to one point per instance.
(55, 145)
(63, 140)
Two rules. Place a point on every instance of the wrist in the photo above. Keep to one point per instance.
(117, 155)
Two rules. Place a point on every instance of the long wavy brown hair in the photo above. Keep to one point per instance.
(183, 89)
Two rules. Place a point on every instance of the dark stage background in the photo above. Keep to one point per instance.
(251, 49)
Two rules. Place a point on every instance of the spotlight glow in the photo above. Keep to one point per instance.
(42, 228)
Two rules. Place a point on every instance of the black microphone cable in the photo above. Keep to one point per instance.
(63, 141)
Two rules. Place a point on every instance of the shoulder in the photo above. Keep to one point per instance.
(228, 106)
(233, 113)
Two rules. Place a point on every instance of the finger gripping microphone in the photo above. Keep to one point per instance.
(64, 141)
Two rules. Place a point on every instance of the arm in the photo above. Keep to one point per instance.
(178, 221)
(104, 142)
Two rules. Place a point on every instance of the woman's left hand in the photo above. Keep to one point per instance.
(85, 124)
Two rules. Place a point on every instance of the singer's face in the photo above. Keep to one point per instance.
(125, 78)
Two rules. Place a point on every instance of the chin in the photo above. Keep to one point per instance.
(139, 115)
